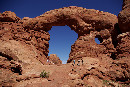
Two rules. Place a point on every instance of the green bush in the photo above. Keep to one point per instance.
(44, 74)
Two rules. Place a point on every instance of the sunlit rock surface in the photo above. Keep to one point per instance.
(24, 50)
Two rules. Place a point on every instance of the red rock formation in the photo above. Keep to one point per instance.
(54, 59)
(9, 16)
(124, 17)
(79, 19)
(123, 47)
(24, 49)
(83, 22)
(85, 46)
(15, 31)
(124, 25)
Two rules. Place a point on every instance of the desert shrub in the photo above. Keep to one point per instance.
(105, 82)
(44, 74)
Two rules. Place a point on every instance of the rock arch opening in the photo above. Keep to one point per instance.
(82, 21)
(61, 39)
(98, 39)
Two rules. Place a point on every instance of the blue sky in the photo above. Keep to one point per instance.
(62, 37)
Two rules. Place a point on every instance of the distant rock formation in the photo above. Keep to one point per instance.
(24, 48)
(54, 59)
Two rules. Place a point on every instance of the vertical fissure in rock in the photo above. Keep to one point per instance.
(115, 33)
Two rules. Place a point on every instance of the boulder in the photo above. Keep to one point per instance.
(53, 59)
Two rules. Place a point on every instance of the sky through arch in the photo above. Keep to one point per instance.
(61, 39)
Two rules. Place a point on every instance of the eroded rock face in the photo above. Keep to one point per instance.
(7, 75)
(85, 46)
(38, 39)
(124, 25)
(9, 16)
(54, 59)
(19, 58)
(124, 17)
(24, 49)
(123, 47)
(79, 19)
(83, 22)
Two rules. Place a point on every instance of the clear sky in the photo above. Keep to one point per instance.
(62, 37)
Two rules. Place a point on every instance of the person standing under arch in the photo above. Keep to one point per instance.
(74, 61)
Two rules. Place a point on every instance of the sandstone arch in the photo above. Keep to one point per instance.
(24, 46)
(81, 20)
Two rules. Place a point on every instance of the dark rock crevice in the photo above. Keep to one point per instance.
(17, 69)
(6, 56)
(113, 56)
(13, 67)
(114, 34)
(99, 38)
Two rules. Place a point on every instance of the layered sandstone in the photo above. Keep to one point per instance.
(9, 16)
(123, 47)
(124, 25)
(87, 23)
(38, 39)
(79, 19)
(124, 17)
(24, 49)
(85, 46)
